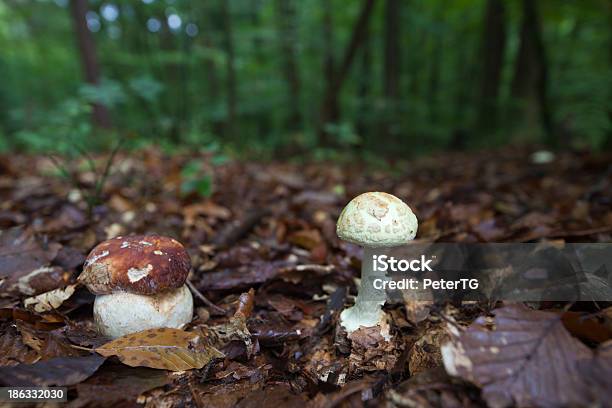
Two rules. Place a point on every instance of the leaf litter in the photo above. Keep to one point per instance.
(271, 228)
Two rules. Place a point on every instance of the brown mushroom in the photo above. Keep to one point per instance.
(140, 284)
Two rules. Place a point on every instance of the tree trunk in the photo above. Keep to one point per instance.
(530, 82)
(230, 70)
(608, 142)
(287, 31)
(391, 71)
(364, 89)
(434, 77)
(330, 110)
(89, 60)
(493, 46)
(261, 118)
(329, 64)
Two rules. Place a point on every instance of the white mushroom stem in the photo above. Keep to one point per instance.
(121, 313)
(367, 310)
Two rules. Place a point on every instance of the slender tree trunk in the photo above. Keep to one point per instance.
(328, 43)
(391, 71)
(262, 119)
(230, 70)
(210, 28)
(434, 77)
(608, 142)
(463, 96)
(364, 89)
(287, 31)
(89, 60)
(329, 67)
(493, 46)
(330, 110)
(530, 81)
(171, 77)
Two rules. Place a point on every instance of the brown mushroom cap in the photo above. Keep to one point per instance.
(141, 264)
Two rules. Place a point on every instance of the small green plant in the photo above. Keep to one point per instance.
(92, 194)
(195, 179)
(197, 175)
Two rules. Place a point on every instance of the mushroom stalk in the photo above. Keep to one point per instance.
(367, 310)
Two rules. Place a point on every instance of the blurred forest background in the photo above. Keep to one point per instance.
(284, 77)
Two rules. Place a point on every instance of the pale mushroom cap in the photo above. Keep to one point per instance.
(121, 313)
(377, 220)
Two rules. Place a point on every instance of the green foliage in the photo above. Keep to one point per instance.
(196, 180)
(55, 130)
(169, 86)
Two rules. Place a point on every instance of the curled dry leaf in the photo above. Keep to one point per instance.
(162, 348)
(45, 302)
(234, 331)
(528, 358)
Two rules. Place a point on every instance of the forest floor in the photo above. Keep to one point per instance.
(271, 228)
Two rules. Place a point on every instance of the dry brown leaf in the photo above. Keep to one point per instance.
(13, 350)
(45, 302)
(425, 352)
(308, 239)
(207, 208)
(163, 348)
(586, 327)
(116, 385)
(22, 258)
(60, 371)
(528, 358)
(370, 351)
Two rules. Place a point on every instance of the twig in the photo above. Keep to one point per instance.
(82, 348)
(335, 304)
(316, 268)
(203, 298)
(102, 180)
(234, 231)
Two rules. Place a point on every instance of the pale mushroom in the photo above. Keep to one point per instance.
(373, 220)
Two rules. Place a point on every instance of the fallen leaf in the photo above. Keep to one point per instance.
(586, 327)
(48, 301)
(528, 358)
(274, 396)
(13, 351)
(163, 348)
(370, 351)
(207, 208)
(115, 384)
(307, 239)
(234, 338)
(23, 256)
(60, 371)
(242, 277)
(425, 352)
(221, 396)
(48, 344)
(434, 388)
